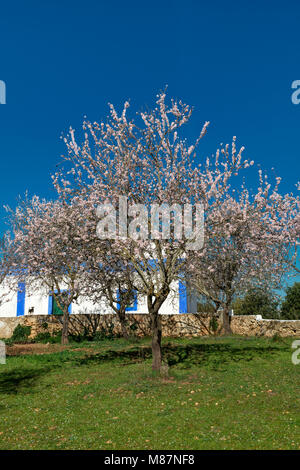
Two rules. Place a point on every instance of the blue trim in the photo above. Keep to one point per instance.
(182, 298)
(135, 302)
(21, 299)
(153, 263)
(50, 302)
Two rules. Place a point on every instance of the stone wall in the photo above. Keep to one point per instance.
(183, 325)
(36, 322)
(248, 325)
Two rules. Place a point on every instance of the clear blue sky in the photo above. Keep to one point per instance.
(233, 60)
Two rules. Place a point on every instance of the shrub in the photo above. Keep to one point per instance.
(43, 337)
(290, 308)
(21, 334)
(257, 301)
(213, 324)
(276, 337)
(106, 331)
(55, 337)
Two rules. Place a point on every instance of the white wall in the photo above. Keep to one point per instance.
(40, 299)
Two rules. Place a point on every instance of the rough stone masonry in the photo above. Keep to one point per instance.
(185, 325)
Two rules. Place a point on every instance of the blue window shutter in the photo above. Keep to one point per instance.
(21, 299)
(50, 304)
(132, 308)
(182, 298)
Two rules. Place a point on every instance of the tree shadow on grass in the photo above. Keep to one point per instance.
(20, 380)
(213, 355)
(132, 355)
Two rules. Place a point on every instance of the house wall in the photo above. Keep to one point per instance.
(9, 309)
(8, 302)
(19, 304)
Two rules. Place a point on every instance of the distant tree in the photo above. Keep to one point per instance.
(257, 301)
(290, 308)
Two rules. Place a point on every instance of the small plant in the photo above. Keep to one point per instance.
(164, 370)
(21, 334)
(105, 332)
(7, 341)
(134, 326)
(55, 337)
(47, 337)
(213, 324)
(276, 337)
(43, 337)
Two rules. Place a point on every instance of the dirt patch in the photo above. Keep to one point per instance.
(42, 348)
(35, 348)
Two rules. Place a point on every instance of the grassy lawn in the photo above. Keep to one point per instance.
(221, 393)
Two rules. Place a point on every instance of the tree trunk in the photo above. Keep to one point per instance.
(122, 320)
(226, 322)
(156, 328)
(156, 340)
(65, 328)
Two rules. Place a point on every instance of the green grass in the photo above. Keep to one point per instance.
(221, 393)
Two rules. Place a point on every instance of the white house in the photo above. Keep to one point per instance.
(21, 303)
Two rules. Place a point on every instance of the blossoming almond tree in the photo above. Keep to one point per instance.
(292, 213)
(248, 240)
(7, 260)
(284, 227)
(147, 161)
(48, 240)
